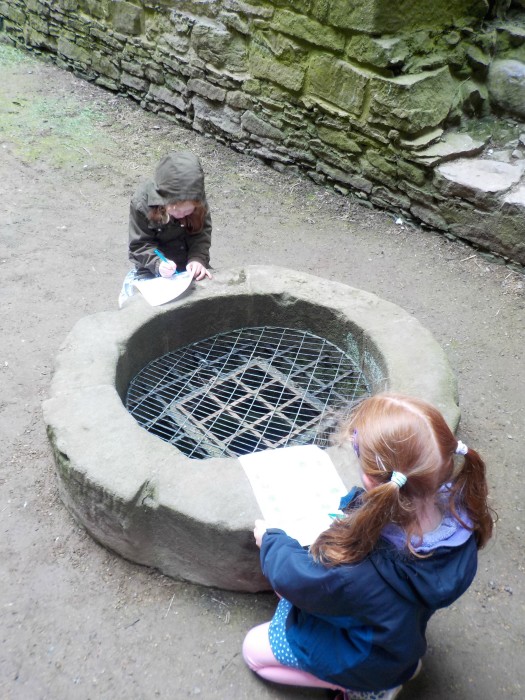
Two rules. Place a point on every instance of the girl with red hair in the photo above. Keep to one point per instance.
(355, 605)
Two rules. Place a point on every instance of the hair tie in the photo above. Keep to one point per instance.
(355, 444)
(461, 448)
(398, 479)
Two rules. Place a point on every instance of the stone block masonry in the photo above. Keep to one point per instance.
(383, 101)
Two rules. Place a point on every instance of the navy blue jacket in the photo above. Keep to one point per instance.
(362, 626)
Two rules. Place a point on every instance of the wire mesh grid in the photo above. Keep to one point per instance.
(243, 391)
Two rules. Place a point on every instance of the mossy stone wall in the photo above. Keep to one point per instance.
(356, 93)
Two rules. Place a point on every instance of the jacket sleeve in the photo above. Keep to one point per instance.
(293, 574)
(199, 243)
(141, 242)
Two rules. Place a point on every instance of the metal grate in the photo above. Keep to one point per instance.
(243, 391)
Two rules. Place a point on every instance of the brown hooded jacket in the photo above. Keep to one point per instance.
(178, 177)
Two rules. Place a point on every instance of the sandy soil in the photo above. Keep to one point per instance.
(77, 621)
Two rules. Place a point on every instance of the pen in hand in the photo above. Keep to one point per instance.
(165, 260)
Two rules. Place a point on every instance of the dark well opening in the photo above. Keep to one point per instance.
(244, 390)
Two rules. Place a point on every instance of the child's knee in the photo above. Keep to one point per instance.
(256, 650)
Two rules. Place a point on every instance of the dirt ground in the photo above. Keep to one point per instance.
(79, 622)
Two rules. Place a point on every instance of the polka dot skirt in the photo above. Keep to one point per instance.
(285, 656)
(277, 636)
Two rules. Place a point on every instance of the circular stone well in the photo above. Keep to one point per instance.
(193, 518)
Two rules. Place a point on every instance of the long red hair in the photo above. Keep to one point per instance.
(193, 223)
(399, 433)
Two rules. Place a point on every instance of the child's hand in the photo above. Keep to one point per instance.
(167, 269)
(197, 270)
(259, 530)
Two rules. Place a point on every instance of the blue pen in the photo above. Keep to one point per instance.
(163, 258)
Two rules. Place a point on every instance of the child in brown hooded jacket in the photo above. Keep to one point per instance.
(169, 214)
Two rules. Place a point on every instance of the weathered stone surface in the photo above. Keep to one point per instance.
(248, 9)
(15, 14)
(422, 141)
(212, 92)
(164, 512)
(95, 8)
(386, 17)
(264, 64)
(127, 18)
(163, 94)
(383, 197)
(330, 156)
(409, 173)
(500, 231)
(40, 40)
(474, 97)
(176, 84)
(299, 26)
(348, 178)
(379, 162)
(73, 51)
(67, 5)
(233, 21)
(102, 64)
(255, 125)
(507, 86)
(239, 100)
(338, 138)
(216, 119)
(178, 42)
(105, 40)
(510, 40)
(215, 44)
(382, 52)
(133, 82)
(477, 180)
(39, 24)
(338, 82)
(133, 67)
(271, 155)
(516, 200)
(453, 145)
(429, 216)
(412, 103)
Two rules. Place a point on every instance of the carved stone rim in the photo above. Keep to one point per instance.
(193, 519)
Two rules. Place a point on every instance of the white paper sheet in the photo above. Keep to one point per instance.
(160, 290)
(297, 488)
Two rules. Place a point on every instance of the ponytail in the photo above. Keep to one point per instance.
(470, 492)
(406, 454)
(350, 539)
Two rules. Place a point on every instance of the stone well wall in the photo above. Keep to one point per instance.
(418, 108)
(193, 518)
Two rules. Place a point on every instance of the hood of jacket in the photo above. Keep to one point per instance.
(434, 581)
(178, 177)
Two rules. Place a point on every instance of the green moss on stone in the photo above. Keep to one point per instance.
(338, 139)
(380, 52)
(73, 51)
(313, 32)
(412, 103)
(337, 82)
(264, 64)
(127, 18)
(217, 45)
(387, 17)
